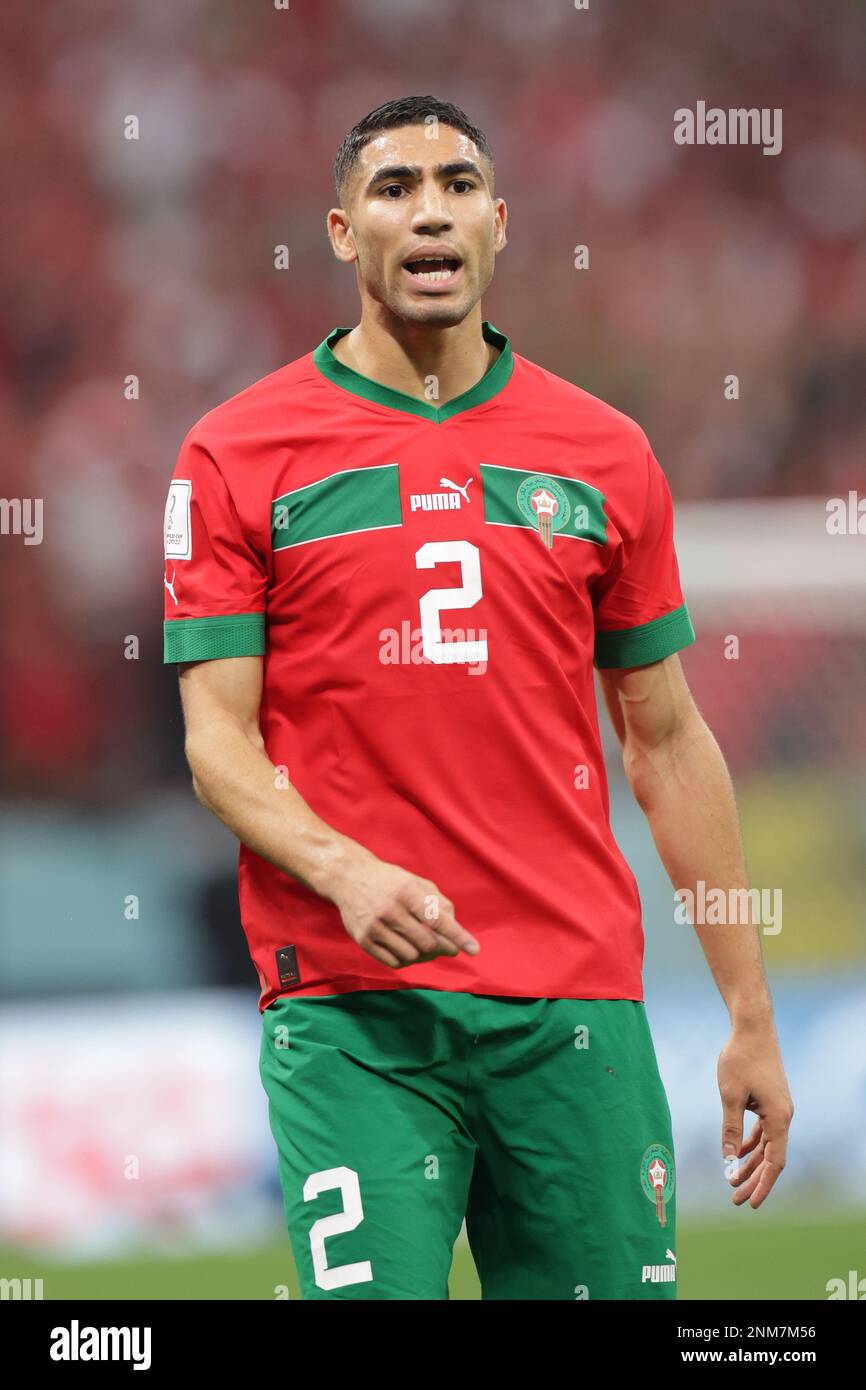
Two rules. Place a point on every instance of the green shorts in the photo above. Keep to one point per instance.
(543, 1121)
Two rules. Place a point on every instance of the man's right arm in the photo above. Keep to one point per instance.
(395, 916)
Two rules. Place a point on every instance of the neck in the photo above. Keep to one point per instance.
(403, 356)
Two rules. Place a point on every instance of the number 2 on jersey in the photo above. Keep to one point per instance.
(467, 556)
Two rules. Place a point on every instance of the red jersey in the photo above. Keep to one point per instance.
(429, 587)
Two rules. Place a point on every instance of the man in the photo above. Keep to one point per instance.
(390, 567)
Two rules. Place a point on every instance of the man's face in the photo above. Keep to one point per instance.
(412, 198)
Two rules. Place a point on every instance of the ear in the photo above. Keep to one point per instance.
(340, 236)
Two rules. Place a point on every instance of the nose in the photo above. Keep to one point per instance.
(431, 214)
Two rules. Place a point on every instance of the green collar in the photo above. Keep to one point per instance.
(493, 380)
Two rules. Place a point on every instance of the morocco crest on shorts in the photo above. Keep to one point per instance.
(657, 1177)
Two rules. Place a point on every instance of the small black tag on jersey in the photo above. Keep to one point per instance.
(287, 966)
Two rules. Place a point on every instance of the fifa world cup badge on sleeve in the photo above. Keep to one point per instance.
(657, 1177)
(177, 528)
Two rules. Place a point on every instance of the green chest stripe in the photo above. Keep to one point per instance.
(356, 499)
(368, 499)
(544, 502)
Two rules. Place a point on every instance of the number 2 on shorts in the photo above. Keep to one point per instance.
(346, 1179)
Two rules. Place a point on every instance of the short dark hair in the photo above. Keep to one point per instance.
(404, 111)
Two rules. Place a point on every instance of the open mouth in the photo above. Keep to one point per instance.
(433, 270)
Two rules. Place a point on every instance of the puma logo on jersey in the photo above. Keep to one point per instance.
(464, 490)
(169, 584)
(441, 501)
(660, 1274)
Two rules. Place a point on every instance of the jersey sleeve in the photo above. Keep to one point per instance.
(216, 581)
(640, 615)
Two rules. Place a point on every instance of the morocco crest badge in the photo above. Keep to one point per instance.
(544, 502)
(657, 1177)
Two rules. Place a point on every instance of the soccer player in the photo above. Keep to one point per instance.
(391, 567)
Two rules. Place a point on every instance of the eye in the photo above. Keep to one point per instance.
(464, 184)
(390, 187)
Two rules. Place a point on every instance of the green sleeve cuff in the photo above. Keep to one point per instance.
(206, 639)
(638, 646)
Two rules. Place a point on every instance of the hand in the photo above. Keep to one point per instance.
(395, 916)
(751, 1077)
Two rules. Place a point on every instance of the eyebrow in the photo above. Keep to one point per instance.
(414, 171)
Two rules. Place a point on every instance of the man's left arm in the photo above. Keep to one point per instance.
(679, 778)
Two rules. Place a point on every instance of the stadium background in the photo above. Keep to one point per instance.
(135, 1158)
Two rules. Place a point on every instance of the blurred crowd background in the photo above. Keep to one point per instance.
(153, 258)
